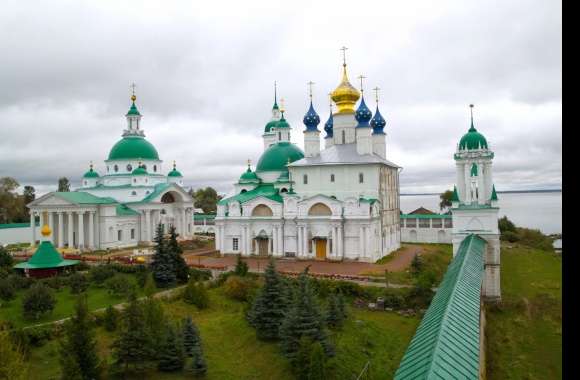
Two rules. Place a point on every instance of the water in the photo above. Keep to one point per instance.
(541, 211)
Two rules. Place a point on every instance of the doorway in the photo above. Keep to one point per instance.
(321, 249)
(262, 247)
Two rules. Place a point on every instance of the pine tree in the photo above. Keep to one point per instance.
(333, 315)
(132, 344)
(181, 268)
(198, 365)
(155, 322)
(170, 354)
(341, 306)
(162, 264)
(303, 319)
(302, 360)
(269, 307)
(190, 333)
(149, 288)
(79, 346)
(241, 267)
(110, 318)
(317, 364)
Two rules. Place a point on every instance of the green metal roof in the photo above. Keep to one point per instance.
(276, 157)
(203, 216)
(16, 225)
(124, 210)
(81, 197)
(174, 173)
(493, 194)
(472, 140)
(46, 256)
(249, 177)
(266, 190)
(133, 110)
(91, 174)
(270, 125)
(282, 123)
(446, 343)
(158, 189)
(139, 171)
(133, 148)
(368, 200)
(425, 216)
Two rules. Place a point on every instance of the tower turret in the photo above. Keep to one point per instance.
(269, 136)
(378, 136)
(311, 133)
(328, 128)
(133, 118)
(363, 129)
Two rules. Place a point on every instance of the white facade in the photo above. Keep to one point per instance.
(121, 208)
(423, 229)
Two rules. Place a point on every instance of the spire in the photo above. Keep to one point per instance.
(472, 129)
(455, 196)
(328, 126)
(311, 119)
(275, 107)
(493, 194)
(378, 122)
(133, 117)
(133, 110)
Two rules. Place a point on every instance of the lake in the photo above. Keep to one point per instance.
(541, 211)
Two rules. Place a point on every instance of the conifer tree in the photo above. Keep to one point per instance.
(317, 365)
(181, 268)
(198, 365)
(303, 319)
(302, 360)
(149, 288)
(190, 336)
(162, 264)
(155, 322)
(241, 267)
(110, 318)
(269, 307)
(170, 354)
(333, 314)
(78, 350)
(132, 344)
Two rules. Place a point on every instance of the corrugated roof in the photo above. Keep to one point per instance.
(446, 343)
(343, 154)
(265, 190)
(124, 210)
(81, 197)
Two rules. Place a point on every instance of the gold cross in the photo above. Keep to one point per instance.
(361, 77)
(282, 105)
(376, 90)
(330, 100)
(310, 87)
(344, 49)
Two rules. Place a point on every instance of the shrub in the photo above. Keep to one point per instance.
(99, 274)
(195, 293)
(416, 264)
(241, 267)
(7, 291)
(239, 288)
(506, 225)
(6, 260)
(510, 236)
(110, 318)
(55, 282)
(119, 285)
(199, 274)
(394, 301)
(221, 279)
(82, 266)
(20, 282)
(78, 283)
(38, 301)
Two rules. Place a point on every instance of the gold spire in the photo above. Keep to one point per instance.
(345, 95)
(133, 97)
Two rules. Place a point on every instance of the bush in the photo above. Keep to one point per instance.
(20, 282)
(239, 288)
(510, 236)
(195, 293)
(99, 274)
(119, 285)
(199, 274)
(6, 260)
(394, 301)
(110, 318)
(78, 283)
(241, 267)
(82, 266)
(221, 279)
(38, 301)
(55, 282)
(7, 291)
(506, 225)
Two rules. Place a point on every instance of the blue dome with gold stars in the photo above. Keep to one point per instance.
(363, 115)
(328, 127)
(311, 119)
(378, 123)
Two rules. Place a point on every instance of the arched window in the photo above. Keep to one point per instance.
(243, 191)
(85, 183)
(284, 190)
(361, 178)
(319, 209)
(305, 179)
(262, 210)
(129, 167)
(107, 168)
(116, 168)
(279, 135)
(167, 198)
(332, 178)
(133, 193)
(134, 180)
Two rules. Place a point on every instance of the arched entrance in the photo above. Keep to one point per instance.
(320, 245)
(262, 243)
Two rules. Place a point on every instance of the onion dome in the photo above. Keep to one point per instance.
(345, 95)
(363, 114)
(174, 172)
(328, 126)
(133, 147)
(270, 125)
(311, 119)
(282, 123)
(277, 156)
(378, 123)
(472, 140)
(91, 173)
(139, 170)
(249, 176)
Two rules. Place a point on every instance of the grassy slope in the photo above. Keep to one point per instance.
(232, 351)
(524, 335)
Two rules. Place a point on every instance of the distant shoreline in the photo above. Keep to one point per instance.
(501, 192)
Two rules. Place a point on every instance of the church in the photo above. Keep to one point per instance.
(122, 206)
(336, 203)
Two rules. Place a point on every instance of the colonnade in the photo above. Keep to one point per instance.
(63, 231)
(182, 220)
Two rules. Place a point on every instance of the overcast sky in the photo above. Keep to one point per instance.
(205, 71)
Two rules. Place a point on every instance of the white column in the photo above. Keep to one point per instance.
(361, 242)
(369, 248)
(274, 240)
(42, 218)
(51, 225)
(183, 225)
(60, 230)
(467, 177)
(298, 241)
(32, 229)
(81, 215)
(70, 227)
(280, 241)
(249, 240)
(91, 229)
(340, 247)
(333, 237)
(305, 242)
(148, 225)
(243, 240)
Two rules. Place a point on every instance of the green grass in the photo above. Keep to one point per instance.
(97, 298)
(524, 333)
(233, 352)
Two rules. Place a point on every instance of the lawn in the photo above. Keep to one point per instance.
(233, 352)
(98, 297)
(524, 334)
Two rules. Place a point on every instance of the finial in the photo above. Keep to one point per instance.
(249, 163)
(45, 231)
(275, 93)
(471, 109)
(344, 49)
(361, 77)
(376, 90)
(133, 97)
(282, 109)
(91, 165)
(173, 164)
(310, 89)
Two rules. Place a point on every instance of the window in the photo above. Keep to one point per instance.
(411, 223)
(402, 222)
(243, 191)
(116, 168)
(107, 168)
(437, 223)
(235, 244)
(305, 179)
(448, 223)
(119, 235)
(361, 178)
(86, 183)
(132, 234)
(332, 178)
(155, 168)
(284, 190)
(343, 137)
(279, 135)
(134, 180)
(144, 166)
(133, 193)
(129, 167)
(423, 223)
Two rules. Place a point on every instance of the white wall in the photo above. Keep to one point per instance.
(16, 235)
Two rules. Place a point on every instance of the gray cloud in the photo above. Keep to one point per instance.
(205, 76)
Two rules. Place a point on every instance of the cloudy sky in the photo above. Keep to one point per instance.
(205, 73)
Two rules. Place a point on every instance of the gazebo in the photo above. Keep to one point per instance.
(46, 261)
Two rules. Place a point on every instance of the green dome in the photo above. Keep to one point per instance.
(276, 157)
(249, 176)
(472, 140)
(174, 173)
(282, 123)
(133, 148)
(133, 110)
(140, 171)
(270, 125)
(91, 174)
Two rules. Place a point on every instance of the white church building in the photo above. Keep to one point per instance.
(336, 203)
(121, 207)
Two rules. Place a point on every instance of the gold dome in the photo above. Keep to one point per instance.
(45, 230)
(345, 95)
